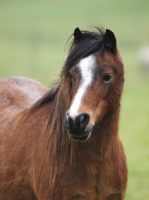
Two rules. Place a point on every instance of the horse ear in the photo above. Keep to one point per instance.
(110, 41)
(78, 36)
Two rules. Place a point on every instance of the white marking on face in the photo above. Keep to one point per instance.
(85, 66)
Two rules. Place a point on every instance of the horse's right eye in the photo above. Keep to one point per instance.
(71, 78)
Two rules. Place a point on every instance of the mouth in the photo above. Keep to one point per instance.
(81, 137)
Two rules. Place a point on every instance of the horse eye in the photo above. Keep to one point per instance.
(71, 78)
(107, 77)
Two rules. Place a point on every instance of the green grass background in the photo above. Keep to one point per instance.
(33, 35)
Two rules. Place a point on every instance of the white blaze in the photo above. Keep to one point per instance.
(85, 66)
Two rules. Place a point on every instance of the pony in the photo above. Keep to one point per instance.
(63, 143)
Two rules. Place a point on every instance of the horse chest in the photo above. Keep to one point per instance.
(77, 184)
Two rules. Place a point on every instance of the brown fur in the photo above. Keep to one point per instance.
(39, 159)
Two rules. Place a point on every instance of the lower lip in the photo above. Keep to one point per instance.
(87, 135)
(80, 138)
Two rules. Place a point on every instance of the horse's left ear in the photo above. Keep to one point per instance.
(78, 36)
(110, 41)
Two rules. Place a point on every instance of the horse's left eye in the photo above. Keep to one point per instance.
(107, 77)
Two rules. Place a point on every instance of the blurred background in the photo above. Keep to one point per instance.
(33, 35)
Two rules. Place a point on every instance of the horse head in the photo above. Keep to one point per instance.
(96, 79)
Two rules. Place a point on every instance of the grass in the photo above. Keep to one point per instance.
(32, 41)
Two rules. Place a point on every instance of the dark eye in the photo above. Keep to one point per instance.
(71, 78)
(107, 77)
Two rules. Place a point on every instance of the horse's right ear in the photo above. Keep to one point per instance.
(78, 36)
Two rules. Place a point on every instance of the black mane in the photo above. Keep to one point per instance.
(92, 43)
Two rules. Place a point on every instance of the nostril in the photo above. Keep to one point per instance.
(69, 123)
(82, 120)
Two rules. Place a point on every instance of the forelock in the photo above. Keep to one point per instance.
(92, 43)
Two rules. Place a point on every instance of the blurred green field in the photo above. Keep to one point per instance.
(33, 35)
